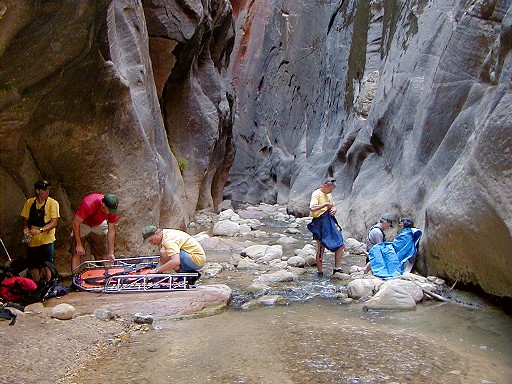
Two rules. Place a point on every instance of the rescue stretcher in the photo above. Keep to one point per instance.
(130, 275)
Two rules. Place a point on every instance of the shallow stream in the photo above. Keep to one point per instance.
(317, 336)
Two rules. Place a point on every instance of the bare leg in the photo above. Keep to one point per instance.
(319, 256)
(34, 273)
(75, 262)
(338, 254)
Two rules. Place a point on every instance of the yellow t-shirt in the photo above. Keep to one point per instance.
(174, 240)
(317, 198)
(51, 211)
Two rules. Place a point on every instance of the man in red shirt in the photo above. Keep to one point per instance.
(94, 222)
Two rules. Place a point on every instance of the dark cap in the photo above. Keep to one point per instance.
(330, 180)
(42, 184)
(111, 202)
(148, 232)
(388, 219)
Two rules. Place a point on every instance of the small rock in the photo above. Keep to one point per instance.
(139, 318)
(63, 311)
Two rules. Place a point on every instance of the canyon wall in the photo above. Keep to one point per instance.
(127, 97)
(405, 102)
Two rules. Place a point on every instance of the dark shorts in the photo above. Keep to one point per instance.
(38, 256)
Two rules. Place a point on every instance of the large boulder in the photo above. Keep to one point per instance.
(124, 97)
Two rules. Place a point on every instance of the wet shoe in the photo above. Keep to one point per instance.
(337, 270)
(320, 274)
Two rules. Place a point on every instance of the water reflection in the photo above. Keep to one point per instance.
(320, 341)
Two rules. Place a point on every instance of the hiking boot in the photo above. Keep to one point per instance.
(319, 274)
(337, 270)
(192, 280)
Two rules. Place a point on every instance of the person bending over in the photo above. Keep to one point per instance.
(179, 251)
(94, 222)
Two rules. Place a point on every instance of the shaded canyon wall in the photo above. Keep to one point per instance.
(127, 97)
(405, 103)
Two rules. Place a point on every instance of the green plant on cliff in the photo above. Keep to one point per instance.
(182, 161)
(182, 164)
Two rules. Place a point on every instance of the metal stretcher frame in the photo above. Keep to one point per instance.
(130, 275)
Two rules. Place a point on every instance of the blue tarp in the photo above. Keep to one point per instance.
(387, 259)
(327, 230)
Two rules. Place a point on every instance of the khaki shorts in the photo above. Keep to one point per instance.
(96, 237)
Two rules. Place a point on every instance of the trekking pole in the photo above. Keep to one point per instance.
(5, 249)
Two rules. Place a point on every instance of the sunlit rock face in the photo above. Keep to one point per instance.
(123, 97)
(405, 103)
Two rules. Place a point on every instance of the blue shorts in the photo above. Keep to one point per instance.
(186, 263)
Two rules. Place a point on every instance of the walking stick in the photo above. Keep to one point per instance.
(5, 249)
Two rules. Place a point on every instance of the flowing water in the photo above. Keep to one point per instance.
(317, 336)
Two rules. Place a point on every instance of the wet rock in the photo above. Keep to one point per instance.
(257, 288)
(63, 311)
(391, 296)
(341, 276)
(263, 253)
(271, 300)
(296, 261)
(410, 287)
(363, 287)
(276, 277)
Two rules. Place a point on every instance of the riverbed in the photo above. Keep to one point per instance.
(316, 335)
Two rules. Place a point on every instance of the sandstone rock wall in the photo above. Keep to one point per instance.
(124, 96)
(405, 102)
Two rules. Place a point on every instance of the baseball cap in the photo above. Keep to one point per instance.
(42, 184)
(388, 219)
(148, 232)
(111, 202)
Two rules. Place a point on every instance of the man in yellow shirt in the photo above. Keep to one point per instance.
(179, 251)
(40, 217)
(323, 203)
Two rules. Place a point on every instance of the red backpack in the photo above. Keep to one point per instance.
(15, 289)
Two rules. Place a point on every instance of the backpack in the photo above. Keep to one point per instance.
(16, 288)
(51, 288)
(25, 291)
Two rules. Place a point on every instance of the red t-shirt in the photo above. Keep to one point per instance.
(90, 211)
